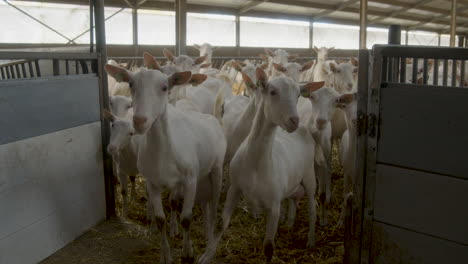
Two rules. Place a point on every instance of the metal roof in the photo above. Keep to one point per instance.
(427, 15)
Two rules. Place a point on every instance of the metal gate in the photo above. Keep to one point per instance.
(411, 187)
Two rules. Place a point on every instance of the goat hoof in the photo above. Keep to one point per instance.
(311, 243)
(323, 221)
(188, 260)
(268, 251)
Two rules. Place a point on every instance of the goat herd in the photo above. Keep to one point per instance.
(181, 123)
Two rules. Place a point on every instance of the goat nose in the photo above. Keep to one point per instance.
(138, 121)
(321, 122)
(294, 120)
(111, 148)
(350, 86)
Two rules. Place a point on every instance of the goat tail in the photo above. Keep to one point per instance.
(218, 109)
(319, 156)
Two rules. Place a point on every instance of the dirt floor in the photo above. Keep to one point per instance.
(131, 241)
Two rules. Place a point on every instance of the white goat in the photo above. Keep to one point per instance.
(320, 71)
(205, 50)
(123, 146)
(317, 115)
(348, 103)
(184, 62)
(292, 69)
(272, 165)
(120, 106)
(181, 151)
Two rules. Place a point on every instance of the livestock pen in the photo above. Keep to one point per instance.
(57, 181)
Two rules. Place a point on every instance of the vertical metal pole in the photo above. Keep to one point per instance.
(238, 35)
(453, 23)
(135, 27)
(311, 37)
(104, 100)
(439, 38)
(407, 37)
(394, 34)
(181, 26)
(363, 25)
(91, 26)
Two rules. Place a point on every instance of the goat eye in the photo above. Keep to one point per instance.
(131, 133)
(273, 92)
(130, 84)
(164, 88)
(112, 125)
(338, 71)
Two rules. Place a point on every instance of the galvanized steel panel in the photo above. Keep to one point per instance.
(35, 107)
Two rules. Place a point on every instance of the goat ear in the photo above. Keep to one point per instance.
(242, 63)
(179, 78)
(199, 60)
(264, 66)
(197, 46)
(168, 54)
(150, 62)
(198, 79)
(316, 49)
(236, 65)
(108, 115)
(306, 66)
(269, 52)
(293, 57)
(119, 74)
(331, 49)
(261, 77)
(248, 81)
(346, 99)
(333, 67)
(430, 62)
(354, 62)
(308, 88)
(409, 61)
(279, 67)
(205, 65)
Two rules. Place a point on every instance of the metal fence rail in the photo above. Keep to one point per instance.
(28, 64)
(216, 62)
(424, 65)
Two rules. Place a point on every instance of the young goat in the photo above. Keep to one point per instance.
(271, 165)
(348, 103)
(123, 146)
(317, 115)
(181, 151)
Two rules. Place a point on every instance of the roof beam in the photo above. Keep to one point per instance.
(399, 11)
(250, 5)
(338, 8)
(436, 19)
(406, 4)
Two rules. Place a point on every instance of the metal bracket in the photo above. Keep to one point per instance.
(362, 124)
